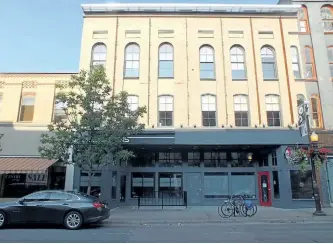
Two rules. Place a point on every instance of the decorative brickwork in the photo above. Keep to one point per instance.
(29, 84)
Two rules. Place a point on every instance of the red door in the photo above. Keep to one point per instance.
(264, 189)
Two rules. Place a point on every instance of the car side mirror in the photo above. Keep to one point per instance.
(21, 201)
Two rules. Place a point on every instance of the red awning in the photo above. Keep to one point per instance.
(19, 165)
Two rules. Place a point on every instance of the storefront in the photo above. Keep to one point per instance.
(209, 165)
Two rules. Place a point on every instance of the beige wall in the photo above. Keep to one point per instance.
(186, 86)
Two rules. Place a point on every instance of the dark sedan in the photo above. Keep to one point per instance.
(72, 209)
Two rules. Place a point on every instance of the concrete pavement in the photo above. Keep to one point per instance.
(223, 232)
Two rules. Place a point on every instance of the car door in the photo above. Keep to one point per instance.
(34, 206)
(56, 207)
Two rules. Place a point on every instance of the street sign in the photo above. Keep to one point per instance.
(302, 117)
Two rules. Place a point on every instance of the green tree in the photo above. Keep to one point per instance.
(94, 124)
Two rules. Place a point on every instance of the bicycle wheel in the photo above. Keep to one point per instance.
(249, 210)
(227, 209)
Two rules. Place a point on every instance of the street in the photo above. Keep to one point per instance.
(224, 232)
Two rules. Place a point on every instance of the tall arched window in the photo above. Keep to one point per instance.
(98, 54)
(330, 59)
(327, 17)
(300, 99)
(237, 58)
(316, 112)
(165, 65)
(207, 59)
(273, 110)
(309, 63)
(208, 110)
(268, 61)
(295, 62)
(303, 20)
(241, 110)
(27, 107)
(165, 108)
(132, 61)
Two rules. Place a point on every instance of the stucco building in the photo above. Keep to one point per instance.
(221, 84)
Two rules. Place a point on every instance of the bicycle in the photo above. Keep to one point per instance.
(237, 204)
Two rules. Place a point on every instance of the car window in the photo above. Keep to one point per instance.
(59, 196)
(37, 196)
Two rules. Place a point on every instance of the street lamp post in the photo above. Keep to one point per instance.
(314, 144)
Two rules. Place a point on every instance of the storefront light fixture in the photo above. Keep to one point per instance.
(250, 156)
(314, 137)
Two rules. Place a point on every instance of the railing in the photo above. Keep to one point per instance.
(163, 199)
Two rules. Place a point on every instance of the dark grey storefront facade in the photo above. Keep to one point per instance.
(209, 164)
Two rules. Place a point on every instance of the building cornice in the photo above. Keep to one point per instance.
(179, 8)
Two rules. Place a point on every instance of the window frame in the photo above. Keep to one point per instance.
(27, 94)
(305, 20)
(237, 62)
(318, 112)
(213, 62)
(280, 114)
(324, 20)
(173, 108)
(296, 63)
(247, 111)
(130, 103)
(132, 60)
(92, 55)
(201, 103)
(330, 62)
(276, 77)
(166, 60)
(311, 62)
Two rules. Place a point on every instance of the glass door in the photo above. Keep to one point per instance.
(264, 189)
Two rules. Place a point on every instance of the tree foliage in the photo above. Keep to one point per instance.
(94, 124)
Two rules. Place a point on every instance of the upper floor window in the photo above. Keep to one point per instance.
(237, 58)
(316, 115)
(133, 102)
(59, 111)
(300, 99)
(273, 110)
(132, 61)
(98, 54)
(165, 66)
(268, 63)
(165, 108)
(208, 110)
(241, 110)
(303, 20)
(295, 62)
(330, 59)
(207, 66)
(309, 63)
(27, 108)
(327, 17)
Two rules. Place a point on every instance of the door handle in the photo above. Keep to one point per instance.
(40, 205)
(65, 204)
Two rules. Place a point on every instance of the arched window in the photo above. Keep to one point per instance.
(327, 18)
(207, 66)
(59, 113)
(241, 110)
(165, 65)
(330, 59)
(237, 58)
(300, 99)
(295, 62)
(316, 112)
(133, 102)
(165, 108)
(27, 107)
(268, 63)
(132, 61)
(208, 110)
(98, 54)
(309, 63)
(303, 20)
(273, 110)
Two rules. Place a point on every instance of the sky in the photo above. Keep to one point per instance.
(45, 35)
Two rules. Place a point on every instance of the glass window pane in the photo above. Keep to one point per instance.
(301, 184)
(216, 185)
(243, 184)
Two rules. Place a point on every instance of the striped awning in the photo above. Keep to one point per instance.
(24, 165)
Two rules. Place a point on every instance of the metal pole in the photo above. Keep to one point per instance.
(318, 211)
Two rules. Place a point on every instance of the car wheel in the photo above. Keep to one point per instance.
(73, 220)
(2, 219)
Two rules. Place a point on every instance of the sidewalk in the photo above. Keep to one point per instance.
(209, 214)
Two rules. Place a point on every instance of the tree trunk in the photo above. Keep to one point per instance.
(89, 182)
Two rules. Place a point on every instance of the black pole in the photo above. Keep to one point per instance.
(314, 145)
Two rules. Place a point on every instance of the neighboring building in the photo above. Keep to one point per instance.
(316, 40)
(26, 108)
(221, 84)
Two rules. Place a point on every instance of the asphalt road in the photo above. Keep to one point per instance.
(263, 232)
